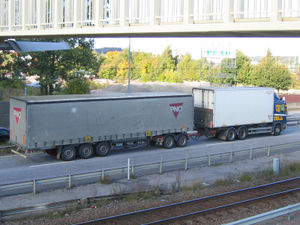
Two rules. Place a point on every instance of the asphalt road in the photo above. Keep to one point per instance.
(14, 169)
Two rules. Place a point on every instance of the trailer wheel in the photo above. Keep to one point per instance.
(231, 134)
(68, 153)
(102, 148)
(85, 151)
(277, 130)
(181, 141)
(242, 133)
(169, 141)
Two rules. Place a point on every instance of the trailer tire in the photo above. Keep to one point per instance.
(102, 149)
(169, 142)
(85, 151)
(242, 133)
(231, 134)
(68, 153)
(181, 140)
(277, 130)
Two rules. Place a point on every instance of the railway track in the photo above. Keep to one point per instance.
(174, 213)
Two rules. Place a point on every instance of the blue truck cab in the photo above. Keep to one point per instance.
(280, 115)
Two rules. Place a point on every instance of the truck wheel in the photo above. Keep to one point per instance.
(242, 133)
(277, 130)
(102, 148)
(231, 134)
(85, 151)
(181, 141)
(68, 153)
(169, 142)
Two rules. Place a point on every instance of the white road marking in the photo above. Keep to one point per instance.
(50, 164)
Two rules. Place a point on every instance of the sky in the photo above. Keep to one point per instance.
(181, 46)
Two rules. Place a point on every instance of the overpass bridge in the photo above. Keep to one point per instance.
(123, 18)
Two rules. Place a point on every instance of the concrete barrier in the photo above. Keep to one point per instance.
(4, 114)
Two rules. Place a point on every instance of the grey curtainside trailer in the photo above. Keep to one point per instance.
(82, 125)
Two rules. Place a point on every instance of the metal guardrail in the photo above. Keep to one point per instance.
(6, 147)
(130, 171)
(268, 215)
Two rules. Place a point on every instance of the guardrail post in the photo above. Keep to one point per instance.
(70, 181)
(209, 160)
(34, 187)
(251, 154)
(132, 170)
(160, 167)
(128, 169)
(231, 157)
(185, 164)
(102, 175)
(269, 150)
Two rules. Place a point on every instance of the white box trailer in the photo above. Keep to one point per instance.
(82, 124)
(231, 112)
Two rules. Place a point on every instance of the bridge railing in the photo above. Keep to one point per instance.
(133, 170)
(53, 14)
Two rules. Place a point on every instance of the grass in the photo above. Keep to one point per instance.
(5, 151)
(105, 180)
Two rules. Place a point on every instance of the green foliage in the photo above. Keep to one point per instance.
(243, 69)
(12, 83)
(52, 65)
(77, 86)
(270, 73)
(290, 170)
(245, 177)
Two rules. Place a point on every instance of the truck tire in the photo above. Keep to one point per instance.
(181, 141)
(102, 148)
(169, 142)
(85, 151)
(231, 134)
(68, 153)
(277, 130)
(242, 133)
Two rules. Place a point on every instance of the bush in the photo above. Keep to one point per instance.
(77, 86)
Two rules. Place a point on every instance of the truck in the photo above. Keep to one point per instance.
(231, 113)
(86, 125)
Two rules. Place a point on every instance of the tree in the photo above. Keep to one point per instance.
(166, 62)
(243, 69)
(271, 73)
(108, 68)
(54, 64)
(186, 68)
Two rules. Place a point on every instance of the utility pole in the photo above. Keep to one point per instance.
(129, 62)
